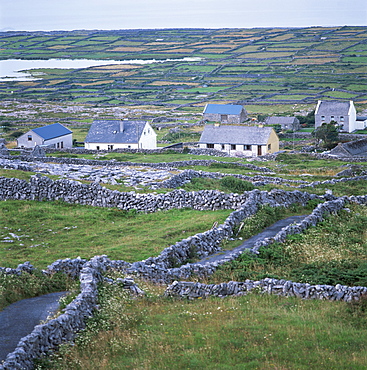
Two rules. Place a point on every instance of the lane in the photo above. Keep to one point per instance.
(269, 232)
(19, 319)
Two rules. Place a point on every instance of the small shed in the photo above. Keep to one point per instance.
(225, 113)
(286, 123)
(249, 141)
(120, 134)
(55, 135)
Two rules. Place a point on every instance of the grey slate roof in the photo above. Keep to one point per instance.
(110, 131)
(223, 109)
(249, 135)
(52, 131)
(280, 120)
(328, 108)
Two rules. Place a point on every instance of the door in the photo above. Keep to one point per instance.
(259, 150)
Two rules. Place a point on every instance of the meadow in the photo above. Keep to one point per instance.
(154, 332)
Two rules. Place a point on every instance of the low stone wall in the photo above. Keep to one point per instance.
(171, 264)
(286, 288)
(49, 336)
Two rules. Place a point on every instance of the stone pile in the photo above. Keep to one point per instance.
(286, 288)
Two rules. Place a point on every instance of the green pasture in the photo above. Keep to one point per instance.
(47, 231)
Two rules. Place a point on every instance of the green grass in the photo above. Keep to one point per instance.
(249, 332)
(47, 231)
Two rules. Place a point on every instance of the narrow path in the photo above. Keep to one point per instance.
(269, 232)
(19, 319)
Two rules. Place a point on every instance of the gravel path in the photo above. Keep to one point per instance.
(19, 319)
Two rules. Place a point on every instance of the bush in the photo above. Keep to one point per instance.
(236, 185)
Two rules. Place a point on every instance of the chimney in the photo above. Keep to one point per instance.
(122, 124)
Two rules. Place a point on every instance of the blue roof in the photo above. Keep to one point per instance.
(52, 131)
(223, 109)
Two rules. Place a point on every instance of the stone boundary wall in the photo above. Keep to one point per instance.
(43, 188)
(285, 288)
(49, 336)
(96, 162)
(162, 269)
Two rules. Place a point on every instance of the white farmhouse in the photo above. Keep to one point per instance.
(120, 134)
(55, 135)
(344, 113)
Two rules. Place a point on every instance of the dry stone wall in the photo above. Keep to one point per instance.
(171, 265)
(286, 288)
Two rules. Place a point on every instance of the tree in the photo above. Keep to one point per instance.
(328, 133)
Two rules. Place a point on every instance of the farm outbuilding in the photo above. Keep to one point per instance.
(286, 123)
(225, 113)
(55, 135)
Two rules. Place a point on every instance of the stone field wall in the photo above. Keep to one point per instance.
(173, 262)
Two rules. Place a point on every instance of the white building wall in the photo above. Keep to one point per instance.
(148, 139)
(65, 141)
(110, 146)
(24, 142)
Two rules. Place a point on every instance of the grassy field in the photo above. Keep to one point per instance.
(42, 232)
(153, 332)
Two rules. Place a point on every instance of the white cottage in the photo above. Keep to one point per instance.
(120, 134)
(55, 135)
(249, 141)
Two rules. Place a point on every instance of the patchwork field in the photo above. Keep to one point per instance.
(280, 59)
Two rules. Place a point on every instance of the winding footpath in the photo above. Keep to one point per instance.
(269, 232)
(19, 319)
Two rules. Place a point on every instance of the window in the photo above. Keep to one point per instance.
(29, 137)
(109, 147)
(332, 118)
(62, 144)
(222, 146)
(341, 118)
(224, 117)
(233, 147)
(97, 147)
(210, 146)
(322, 118)
(58, 145)
(269, 146)
(247, 147)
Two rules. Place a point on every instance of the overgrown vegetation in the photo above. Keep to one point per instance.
(252, 332)
(334, 252)
(14, 287)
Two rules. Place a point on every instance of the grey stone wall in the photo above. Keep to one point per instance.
(286, 288)
(171, 264)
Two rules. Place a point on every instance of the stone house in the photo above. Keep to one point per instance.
(120, 134)
(55, 135)
(249, 141)
(286, 123)
(225, 113)
(356, 148)
(344, 113)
